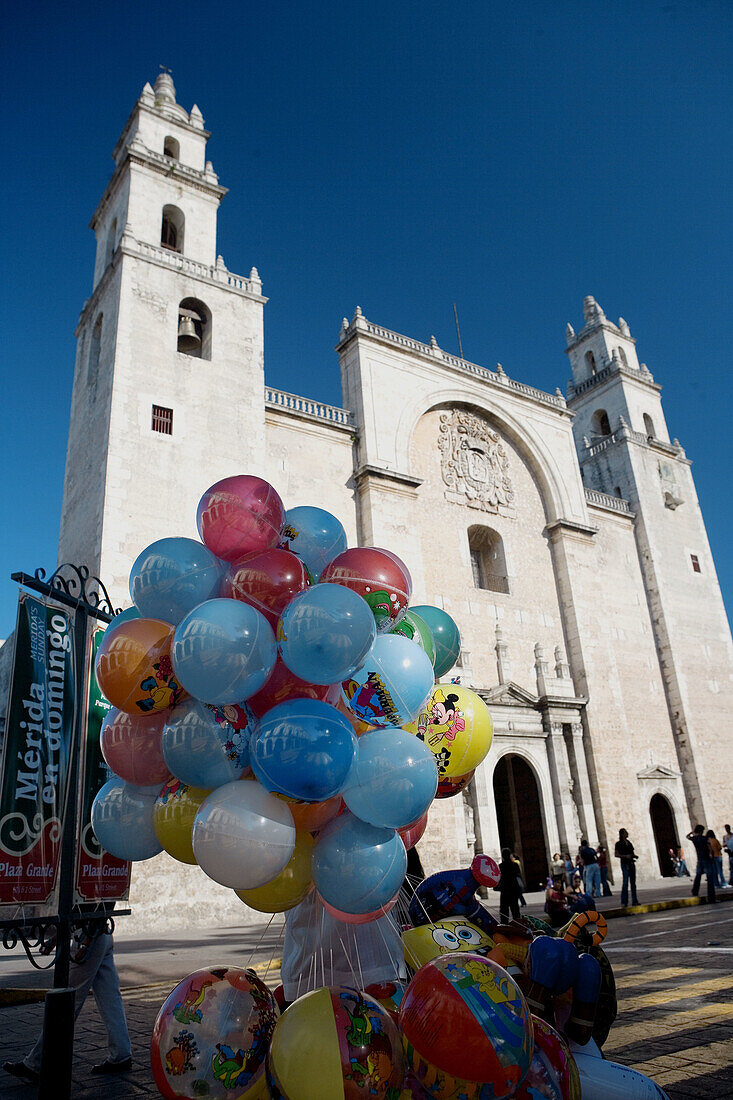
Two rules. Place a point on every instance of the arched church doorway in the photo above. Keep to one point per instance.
(665, 833)
(519, 815)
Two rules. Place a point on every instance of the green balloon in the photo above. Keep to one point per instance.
(415, 628)
(446, 636)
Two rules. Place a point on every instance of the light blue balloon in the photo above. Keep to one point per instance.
(446, 636)
(122, 820)
(392, 685)
(172, 576)
(325, 633)
(315, 535)
(223, 651)
(202, 748)
(393, 779)
(358, 868)
(305, 749)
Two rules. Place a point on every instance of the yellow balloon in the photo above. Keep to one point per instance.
(456, 726)
(289, 887)
(175, 808)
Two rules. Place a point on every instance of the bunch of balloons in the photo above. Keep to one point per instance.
(275, 714)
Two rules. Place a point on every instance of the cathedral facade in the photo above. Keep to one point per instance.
(562, 533)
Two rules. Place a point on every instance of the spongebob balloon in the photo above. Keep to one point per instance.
(430, 940)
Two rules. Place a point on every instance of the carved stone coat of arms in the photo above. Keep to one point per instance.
(473, 462)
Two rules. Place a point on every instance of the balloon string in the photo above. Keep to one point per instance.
(358, 957)
(259, 942)
(277, 945)
(311, 921)
(347, 956)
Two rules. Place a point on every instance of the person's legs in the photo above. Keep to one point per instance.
(697, 878)
(605, 888)
(730, 868)
(624, 884)
(504, 903)
(710, 876)
(632, 883)
(593, 880)
(514, 906)
(720, 881)
(106, 989)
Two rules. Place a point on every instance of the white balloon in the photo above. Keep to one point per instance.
(242, 835)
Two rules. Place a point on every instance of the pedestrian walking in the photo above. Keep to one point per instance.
(716, 851)
(522, 887)
(592, 872)
(603, 866)
(705, 862)
(508, 887)
(92, 967)
(624, 852)
(728, 843)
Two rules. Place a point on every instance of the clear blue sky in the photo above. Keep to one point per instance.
(399, 156)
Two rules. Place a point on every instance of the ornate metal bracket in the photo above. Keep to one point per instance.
(73, 585)
(38, 934)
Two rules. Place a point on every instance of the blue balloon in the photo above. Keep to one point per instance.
(358, 868)
(223, 651)
(325, 633)
(392, 780)
(446, 636)
(122, 820)
(393, 684)
(304, 749)
(315, 535)
(123, 617)
(207, 746)
(172, 576)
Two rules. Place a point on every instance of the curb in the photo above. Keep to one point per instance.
(657, 906)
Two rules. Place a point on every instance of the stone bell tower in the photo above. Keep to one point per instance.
(169, 376)
(625, 451)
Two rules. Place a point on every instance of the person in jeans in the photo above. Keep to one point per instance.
(624, 852)
(92, 967)
(681, 864)
(728, 845)
(603, 864)
(591, 870)
(705, 862)
(716, 850)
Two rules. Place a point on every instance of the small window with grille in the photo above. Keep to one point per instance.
(695, 563)
(162, 420)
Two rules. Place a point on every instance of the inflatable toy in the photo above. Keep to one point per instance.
(132, 748)
(240, 515)
(412, 833)
(485, 1032)
(604, 1080)
(267, 581)
(446, 637)
(304, 749)
(392, 780)
(378, 576)
(358, 868)
(589, 926)
(586, 991)
(206, 746)
(325, 633)
(122, 820)
(315, 535)
(134, 669)
(242, 835)
(288, 888)
(392, 685)
(443, 937)
(552, 1074)
(453, 894)
(212, 1035)
(448, 787)
(456, 726)
(173, 816)
(123, 616)
(172, 576)
(223, 651)
(416, 630)
(312, 816)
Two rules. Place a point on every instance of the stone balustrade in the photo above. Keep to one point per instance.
(605, 500)
(303, 406)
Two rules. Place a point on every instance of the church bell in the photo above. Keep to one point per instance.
(188, 339)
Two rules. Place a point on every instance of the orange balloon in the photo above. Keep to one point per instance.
(134, 667)
(312, 816)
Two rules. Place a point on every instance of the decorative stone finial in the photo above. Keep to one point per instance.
(645, 370)
(165, 90)
(147, 95)
(220, 263)
(502, 665)
(433, 342)
(254, 276)
(591, 310)
(499, 369)
(196, 118)
(562, 669)
(569, 332)
(623, 327)
(344, 323)
(357, 312)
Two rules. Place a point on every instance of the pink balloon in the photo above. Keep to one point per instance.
(357, 918)
(132, 746)
(240, 515)
(411, 833)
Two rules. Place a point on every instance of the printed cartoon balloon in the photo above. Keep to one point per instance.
(378, 576)
(266, 581)
(552, 1073)
(443, 938)
(412, 627)
(206, 746)
(223, 651)
(173, 816)
(392, 685)
(446, 636)
(485, 1035)
(315, 535)
(448, 786)
(456, 726)
(134, 669)
(212, 1034)
(240, 515)
(172, 576)
(335, 1043)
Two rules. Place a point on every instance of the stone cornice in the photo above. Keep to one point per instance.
(607, 375)
(379, 473)
(570, 527)
(594, 326)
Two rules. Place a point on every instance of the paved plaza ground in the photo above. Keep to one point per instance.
(674, 970)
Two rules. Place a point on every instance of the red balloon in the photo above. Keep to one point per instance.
(378, 576)
(357, 918)
(132, 746)
(412, 833)
(284, 684)
(240, 515)
(267, 581)
(450, 785)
